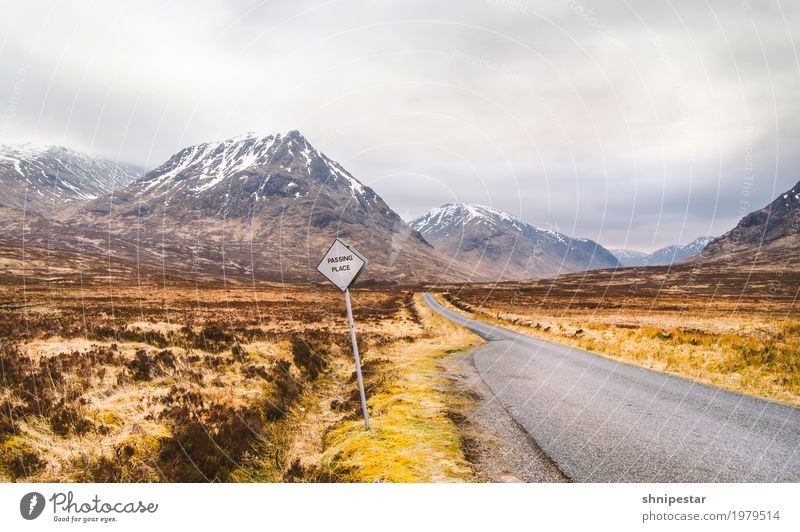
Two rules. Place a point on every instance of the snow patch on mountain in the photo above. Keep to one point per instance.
(200, 169)
(452, 217)
(214, 161)
(356, 188)
(628, 255)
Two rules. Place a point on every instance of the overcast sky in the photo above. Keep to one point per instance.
(637, 124)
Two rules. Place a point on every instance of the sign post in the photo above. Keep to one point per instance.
(342, 265)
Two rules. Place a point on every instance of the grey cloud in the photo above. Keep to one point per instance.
(623, 122)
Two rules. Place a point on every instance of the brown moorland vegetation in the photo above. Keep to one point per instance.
(189, 383)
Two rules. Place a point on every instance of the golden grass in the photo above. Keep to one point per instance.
(160, 326)
(127, 412)
(749, 354)
(412, 438)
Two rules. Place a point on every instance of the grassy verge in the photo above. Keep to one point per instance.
(738, 353)
(413, 438)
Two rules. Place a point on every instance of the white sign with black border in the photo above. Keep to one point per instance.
(342, 265)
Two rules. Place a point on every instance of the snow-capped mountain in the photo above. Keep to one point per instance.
(264, 205)
(246, 169)
(499, 246)
(664, 256)
(765, 238)
(46, 179)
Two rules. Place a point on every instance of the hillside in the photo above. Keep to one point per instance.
(768, 238)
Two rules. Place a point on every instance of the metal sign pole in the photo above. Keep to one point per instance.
(342, 265)
(355, 355)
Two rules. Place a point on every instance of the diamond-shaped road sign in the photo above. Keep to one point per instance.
(341, 265)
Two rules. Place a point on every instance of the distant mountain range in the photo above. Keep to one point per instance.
(267, 206)
(664, 256)
(501, 247)
(261, 206)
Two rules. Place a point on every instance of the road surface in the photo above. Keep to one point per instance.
(605, 421)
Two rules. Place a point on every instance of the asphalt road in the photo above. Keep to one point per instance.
(606, 421)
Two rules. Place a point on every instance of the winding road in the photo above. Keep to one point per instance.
(601, 420)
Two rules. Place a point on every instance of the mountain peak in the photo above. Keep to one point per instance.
(263, 135)
(699, 243)
(238, 176)
(459, 215)
(210, 164)
(29, 149)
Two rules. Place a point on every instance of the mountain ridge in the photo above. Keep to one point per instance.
(763, 238)
(503, 247)
(665, 256)
(265, 206)
(45, 179)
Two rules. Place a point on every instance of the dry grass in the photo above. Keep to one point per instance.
(191, 383)
(106, 383)
(744, 350)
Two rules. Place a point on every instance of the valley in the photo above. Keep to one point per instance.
(171, 326)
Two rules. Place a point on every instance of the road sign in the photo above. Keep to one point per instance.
(341, 265)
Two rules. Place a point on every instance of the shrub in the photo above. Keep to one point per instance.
(141, 367)
(412, 308)
(166, 359)
(376, 373)
(67, 419)
(309, 356)
(215, 339)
